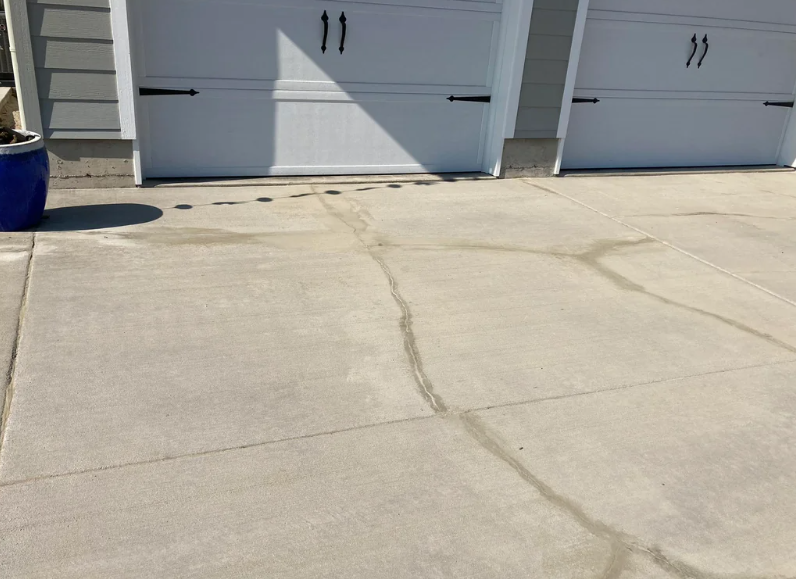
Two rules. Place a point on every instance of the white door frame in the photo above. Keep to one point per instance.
(572, 76)
(22, 60)
(787, 148)
(515, 25)
(126, 83)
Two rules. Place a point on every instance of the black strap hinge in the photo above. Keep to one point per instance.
(471, 99)
(787, 104)
(165, 91)
(593, 101)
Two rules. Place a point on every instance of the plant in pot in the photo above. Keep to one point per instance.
(24, 176)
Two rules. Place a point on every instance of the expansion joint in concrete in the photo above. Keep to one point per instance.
(12, 367)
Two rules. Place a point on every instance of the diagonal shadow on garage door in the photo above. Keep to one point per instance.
(271, 101)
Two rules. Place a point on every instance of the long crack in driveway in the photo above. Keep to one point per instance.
(569, 378)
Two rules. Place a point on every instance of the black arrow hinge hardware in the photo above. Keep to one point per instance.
(786, 104)
(471, 99)
(165, 92)
(593, 101)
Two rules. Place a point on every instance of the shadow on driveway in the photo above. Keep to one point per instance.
(87, 217)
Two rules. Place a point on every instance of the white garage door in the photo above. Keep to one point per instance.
(682, 83)
(271, 101)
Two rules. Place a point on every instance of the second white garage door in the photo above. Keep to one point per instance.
(682, 83)
(270, 100)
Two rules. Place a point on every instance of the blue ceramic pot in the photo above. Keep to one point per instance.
(24, 175)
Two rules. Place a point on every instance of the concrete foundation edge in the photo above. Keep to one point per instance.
(90, 164)
(529, 158)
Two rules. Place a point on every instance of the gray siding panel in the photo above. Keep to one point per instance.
(73, 55)
(546, 47)
(75, 3)
(71, 85)
(546, 61)
(80, 134)
(534, 135)
(66, 22)
(571, 5)
(87, 115)
(75, 67)
(540, 118)
(553, 22)
(542, 95)
(552, 71)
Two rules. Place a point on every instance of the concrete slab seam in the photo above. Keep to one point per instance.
(712, 214)
(620, 544)
(324, 433)
(664, 242)
(211, 452)
(660, 382)
(12, 367)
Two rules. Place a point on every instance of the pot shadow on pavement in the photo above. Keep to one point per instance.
(88, 217)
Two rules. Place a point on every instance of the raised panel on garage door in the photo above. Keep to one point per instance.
(770, 11)
(273, 40)
(295, 133)
(632, 55)
(626, 132)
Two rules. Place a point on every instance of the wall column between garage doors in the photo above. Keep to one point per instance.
(515, 26)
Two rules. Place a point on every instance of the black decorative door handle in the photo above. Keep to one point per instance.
(325, 19)
(707, 46)
(696, 45)
(342, 38)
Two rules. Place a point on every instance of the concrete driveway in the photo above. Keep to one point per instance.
(564, 378)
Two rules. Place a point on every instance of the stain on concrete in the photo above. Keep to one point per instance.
(616, 565)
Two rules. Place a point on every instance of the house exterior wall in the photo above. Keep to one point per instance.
(75, 71)
(546, 62)
(72, 43)
(90, 164)
(533, 152)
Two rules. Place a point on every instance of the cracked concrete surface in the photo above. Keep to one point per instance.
(744, 224)
(431, 379)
